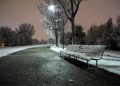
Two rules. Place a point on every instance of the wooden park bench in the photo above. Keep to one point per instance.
(84, 52)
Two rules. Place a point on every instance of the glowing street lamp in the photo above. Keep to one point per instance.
(51, 8)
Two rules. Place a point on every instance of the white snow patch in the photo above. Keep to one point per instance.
(56, 49)
(8, 50)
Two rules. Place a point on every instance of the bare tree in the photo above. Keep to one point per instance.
(49, 27)
(70, 8)
(54, 21)
(26, 28)
(26, 31)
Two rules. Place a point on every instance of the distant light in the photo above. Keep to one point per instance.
(51, 8)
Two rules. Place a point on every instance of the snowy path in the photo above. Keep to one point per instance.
(42, 67)
(110, 60)
(8, 50)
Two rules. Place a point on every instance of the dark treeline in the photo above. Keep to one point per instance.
(105, 34)
(20, 36)
(79, 36)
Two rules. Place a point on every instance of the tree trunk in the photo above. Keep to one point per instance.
(72, 24)
(56, 34)
(72, 20)
(58, 38)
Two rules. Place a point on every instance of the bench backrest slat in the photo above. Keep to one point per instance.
(73, 47)
(90, 50)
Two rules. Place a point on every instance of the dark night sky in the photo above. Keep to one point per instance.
(15, 12)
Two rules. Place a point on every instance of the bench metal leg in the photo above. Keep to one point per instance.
(87, 63)
(60, 54)
(96, 63)
(75, 57)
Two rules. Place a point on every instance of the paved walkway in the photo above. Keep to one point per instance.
(42, 67)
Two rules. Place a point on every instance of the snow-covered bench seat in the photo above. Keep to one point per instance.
(84, 52)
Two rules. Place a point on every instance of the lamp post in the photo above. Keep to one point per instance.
(51, 8)
(63, 34)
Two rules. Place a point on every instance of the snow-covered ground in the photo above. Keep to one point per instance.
(8, 50)
(110, 60)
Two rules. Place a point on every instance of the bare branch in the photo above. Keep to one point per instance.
(75, 2)
(65, 10)
(77, 7)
